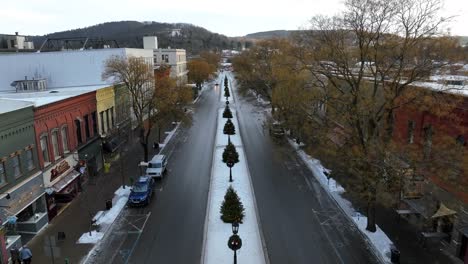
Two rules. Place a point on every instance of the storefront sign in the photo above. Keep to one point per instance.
(59, 170)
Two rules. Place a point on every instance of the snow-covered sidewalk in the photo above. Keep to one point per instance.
(217, 233)
(104, 219)
(379, 240)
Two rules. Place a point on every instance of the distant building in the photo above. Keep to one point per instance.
(12, 43)
(175, 58)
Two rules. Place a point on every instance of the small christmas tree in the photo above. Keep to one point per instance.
(227, 112)
(232, 208)
(230, 157)
(226, 93)
(229, 129)
(225, 82)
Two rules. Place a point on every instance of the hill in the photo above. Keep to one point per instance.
(130, 34)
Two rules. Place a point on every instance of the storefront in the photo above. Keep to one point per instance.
(26, 213)
(62, 183)
(91, 155)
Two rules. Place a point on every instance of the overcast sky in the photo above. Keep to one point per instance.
(236, 18)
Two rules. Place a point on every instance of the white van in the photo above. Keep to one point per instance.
(157, 166)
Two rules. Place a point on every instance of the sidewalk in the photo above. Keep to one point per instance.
(76, 219)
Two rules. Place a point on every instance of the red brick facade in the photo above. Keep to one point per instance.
(53, 117)
(456, 129)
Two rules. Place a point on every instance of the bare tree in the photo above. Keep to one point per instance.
(138, 77)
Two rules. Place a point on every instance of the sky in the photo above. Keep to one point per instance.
(231, 18)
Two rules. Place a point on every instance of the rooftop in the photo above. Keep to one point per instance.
(50, 96)
(7, 105)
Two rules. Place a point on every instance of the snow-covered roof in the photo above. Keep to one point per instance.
(448, 78)
(446, 88)
(7, 105)
(50, 96)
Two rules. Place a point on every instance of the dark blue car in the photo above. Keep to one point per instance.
(141, 192)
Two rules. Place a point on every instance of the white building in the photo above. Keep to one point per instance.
(15, 42)
(62, 68)
(175, 58)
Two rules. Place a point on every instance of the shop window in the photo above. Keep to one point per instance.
(45, 150)
(411, 126)
(16, 165)
(2, 173)
(64, 134)
(55, 146)
(86, 121)
(29, 159)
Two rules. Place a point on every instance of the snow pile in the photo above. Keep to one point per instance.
(104, 219)
(378, 239)
(217, 232)
(86, 238)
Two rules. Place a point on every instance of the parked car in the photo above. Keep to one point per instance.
(276, 130)
(157, 166)
(141, 192)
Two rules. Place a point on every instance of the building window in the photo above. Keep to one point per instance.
(428, 134)
(94, 117)
(112, 116)
(64, 134)
(103, 129)
(460, 140)
(16, 165)
(2, 172)
(411, 126)
(45, 150)
(78, 131)
(55, 146)
(87, 126)
(29, 159)
(108, 120)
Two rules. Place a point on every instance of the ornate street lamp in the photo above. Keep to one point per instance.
(235, 242)
(230, 165)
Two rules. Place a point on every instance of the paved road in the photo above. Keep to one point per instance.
(300, 222)
(174, 220)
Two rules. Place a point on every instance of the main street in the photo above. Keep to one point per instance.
(300, 222)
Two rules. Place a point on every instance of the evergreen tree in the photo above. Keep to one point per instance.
(227, 112)
(232, 208)
(229, 129)
(230, 157)
(226, 93)
(225, 82)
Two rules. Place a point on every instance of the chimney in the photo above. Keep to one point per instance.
(16, 33)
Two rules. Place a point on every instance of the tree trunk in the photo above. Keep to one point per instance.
(230, 174)
(371, 215)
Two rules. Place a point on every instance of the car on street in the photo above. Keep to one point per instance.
(157, 166)
(141, 192)
(276, 130)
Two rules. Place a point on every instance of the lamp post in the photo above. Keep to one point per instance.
(235, 242)
(230, 165)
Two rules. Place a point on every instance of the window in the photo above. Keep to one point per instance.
(460, 140)
(93, 116)
(78, 131)
(29, 160)
(108, 120)
(45, 150)
(16, 165)
(428, 133)
(2, 173)
(87, 126)
(64, 134)
(112, 116)
(55, 146)
(101, 115)
(411, 126)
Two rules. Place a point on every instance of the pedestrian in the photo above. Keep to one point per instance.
(15, 255)
(155, 145)
(26, 255)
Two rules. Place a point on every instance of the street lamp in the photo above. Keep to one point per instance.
(230, 165)
(235, 242)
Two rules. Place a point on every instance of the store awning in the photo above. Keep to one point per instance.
(72, 175)
(425, 206)
(443, 211)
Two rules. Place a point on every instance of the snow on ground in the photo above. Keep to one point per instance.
(217, 232)
(104, 219)
(86, 238)
(379, 239)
